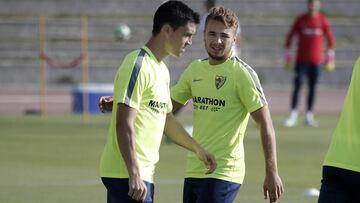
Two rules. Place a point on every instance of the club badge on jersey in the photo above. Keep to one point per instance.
(219, 81)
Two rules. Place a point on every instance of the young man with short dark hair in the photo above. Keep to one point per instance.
(142, 109)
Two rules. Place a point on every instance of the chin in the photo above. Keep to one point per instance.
(216, 57)
(178, 54)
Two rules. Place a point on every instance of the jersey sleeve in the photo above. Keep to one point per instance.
(293, 31)
(130, 82)
(181, 91)
(328, 33)
(250, 90)
(169, 106)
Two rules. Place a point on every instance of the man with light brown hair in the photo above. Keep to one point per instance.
(224, 91)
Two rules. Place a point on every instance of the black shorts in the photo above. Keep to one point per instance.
(209, 190)
(339, 186)
(118, 188)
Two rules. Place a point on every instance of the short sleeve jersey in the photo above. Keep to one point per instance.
(222, 97)
(344, 150)
(141, 83)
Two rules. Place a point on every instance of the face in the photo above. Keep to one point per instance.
(218, 40)
(179, 39)
(314, 6)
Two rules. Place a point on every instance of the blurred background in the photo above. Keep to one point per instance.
(51, 52)
(264, 25)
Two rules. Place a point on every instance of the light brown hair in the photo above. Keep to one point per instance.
(224, 15)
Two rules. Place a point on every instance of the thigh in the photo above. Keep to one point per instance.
(313, 73)
(118, 188)
(217, 191)
(331, 192)
(339, 185)
(190, 190)
(300, 71)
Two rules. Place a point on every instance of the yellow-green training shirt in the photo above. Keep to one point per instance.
(141, 83)
(222, 96)
(344, 150)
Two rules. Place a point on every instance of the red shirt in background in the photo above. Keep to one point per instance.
(310, 31)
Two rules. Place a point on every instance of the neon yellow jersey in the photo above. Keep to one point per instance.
(344, 150)
(142, 83)
(222, 96)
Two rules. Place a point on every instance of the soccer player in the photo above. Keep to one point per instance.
(310, 28)
(224, 91)
(341, 168)
(142, 109)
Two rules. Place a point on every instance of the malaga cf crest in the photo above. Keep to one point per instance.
(219, 81)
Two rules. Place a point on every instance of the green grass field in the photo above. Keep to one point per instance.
(55, 159)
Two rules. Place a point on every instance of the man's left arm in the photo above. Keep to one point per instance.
(330, 55)
(175, 131)
(273, 187)
(105, 103)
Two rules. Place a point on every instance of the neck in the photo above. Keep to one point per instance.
(313, 13)
(217, 61)
(213, 61)
(157, 47)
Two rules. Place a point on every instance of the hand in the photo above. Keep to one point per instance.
(137, 188)
(105, 103)
(330, 61)
(329, 67)
(288, 60)
(273, 187)
(208, 159)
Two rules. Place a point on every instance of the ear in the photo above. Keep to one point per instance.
(166, 29)
(235, 35)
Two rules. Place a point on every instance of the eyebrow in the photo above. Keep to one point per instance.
(221, 33)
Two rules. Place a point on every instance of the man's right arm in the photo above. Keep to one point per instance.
(288, 56)
(125, 132)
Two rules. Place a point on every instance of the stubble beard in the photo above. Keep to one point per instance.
(216, 58)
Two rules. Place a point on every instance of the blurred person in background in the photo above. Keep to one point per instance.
(341, 168)
(142, 110)
(310, 28)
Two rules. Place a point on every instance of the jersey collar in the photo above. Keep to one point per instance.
(151, 55)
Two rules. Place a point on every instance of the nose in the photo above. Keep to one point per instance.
(218, 40)
(189, 41)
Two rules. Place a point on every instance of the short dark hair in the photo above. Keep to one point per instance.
(174, 13)
(310, 1)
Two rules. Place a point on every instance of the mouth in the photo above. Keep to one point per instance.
(217, 49)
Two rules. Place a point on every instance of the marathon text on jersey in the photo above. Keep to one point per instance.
(209, 101)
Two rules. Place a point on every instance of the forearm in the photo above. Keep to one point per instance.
(269, 148)
(178, 135)
(126, 142)
(267, 133)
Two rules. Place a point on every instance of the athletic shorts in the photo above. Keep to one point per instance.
(339, 186)
(209, 190)
(118, 188)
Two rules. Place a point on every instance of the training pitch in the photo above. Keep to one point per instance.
(56, 158)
